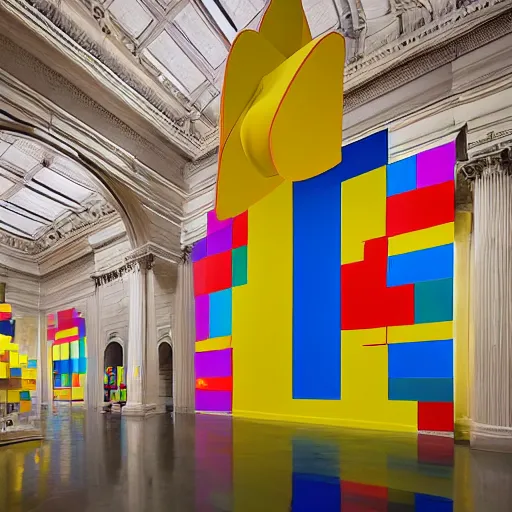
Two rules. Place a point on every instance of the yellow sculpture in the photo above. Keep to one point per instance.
(281, 108)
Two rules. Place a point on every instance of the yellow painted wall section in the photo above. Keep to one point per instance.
(213, 344)
(462, 293)
(362, 198)
(421, 239)
(262, 340)
(420, 332)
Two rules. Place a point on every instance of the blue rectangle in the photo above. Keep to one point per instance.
(421, 360)
(429, 503)
(56, 367)
(417, 266)
(81, 348)
(317, 288)
(313, 492)
(7, 328)
(401, 176)
(82, 365)
(57, 382)
(221, 313)
(25, 396)
(15, 372)
(74, 366)
(421, 390)
(316, 457)
(32, 364)
(65, 366)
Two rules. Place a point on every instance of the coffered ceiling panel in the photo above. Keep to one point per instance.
(131, 15)
(242, 11)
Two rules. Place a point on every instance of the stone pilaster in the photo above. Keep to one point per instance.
(491, 411)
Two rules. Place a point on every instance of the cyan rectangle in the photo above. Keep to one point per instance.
(25, 396)
(433, 301)
(317, 288)
(421, 390)
(32, 364)
(82, 348)
(82, 365)
(220, 313)
(74, 366)
(421, 360)
(417, 266)
(401, 176)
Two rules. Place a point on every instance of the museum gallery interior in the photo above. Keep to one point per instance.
(243, 213)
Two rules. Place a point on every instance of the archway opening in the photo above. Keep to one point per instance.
(165, 374)
(114, 385)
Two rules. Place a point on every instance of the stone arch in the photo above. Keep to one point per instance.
(113, 355)
(112, 189)
(166, 372)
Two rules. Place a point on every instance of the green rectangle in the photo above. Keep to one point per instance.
(239, 257)
(421, 390)
(433, 301)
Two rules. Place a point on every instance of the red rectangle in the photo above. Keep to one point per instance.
(212, 274)
(215, 383)
(435, 416)
(354, 488)
(5, 316)
(240, 230)
(420, 209)
(50, 334)
(69, 339)
(436, 450)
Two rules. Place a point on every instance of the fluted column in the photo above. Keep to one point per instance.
(492, 301)
(136, 341)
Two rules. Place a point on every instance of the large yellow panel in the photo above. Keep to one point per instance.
(213, 344)
(421, 239)
(13, 396)
(3, 396)
(77, 393)
(420, 332)
(262, 341)
(28, 373)
(363, 213)
(13, 347)
(56, 352)
(5, 308)
(4, 368)
(14, 359)
(23, 359)
(28, 384)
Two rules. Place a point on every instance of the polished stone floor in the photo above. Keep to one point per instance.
(94, 463)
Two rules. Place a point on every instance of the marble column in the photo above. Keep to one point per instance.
(151, 395)
(136, 341)
(491, 413)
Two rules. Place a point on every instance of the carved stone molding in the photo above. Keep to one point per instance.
(73, 224)
(497, 162)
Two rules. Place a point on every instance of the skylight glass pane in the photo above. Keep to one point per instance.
(172, 57)
(37, 203)
(29, 226)
(242, 11)
(5, 184)
(201, 36)
(212, 111)
(220, 19)
(12, 230)
(131, 15)
(4, 146)
(23, 211)
(61, 184)
(20, 159)
(321, 15)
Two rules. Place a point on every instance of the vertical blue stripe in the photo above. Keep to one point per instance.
(317, 283)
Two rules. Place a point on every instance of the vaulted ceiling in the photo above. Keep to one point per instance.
(40, 188)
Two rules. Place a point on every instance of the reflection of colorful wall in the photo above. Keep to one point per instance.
(69, 355)
(18, 373)
(346, 317)
(220, 265)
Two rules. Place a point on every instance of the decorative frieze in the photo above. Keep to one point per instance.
(497, 162)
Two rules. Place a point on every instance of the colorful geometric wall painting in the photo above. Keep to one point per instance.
(18, 372)
(69, 355)
(114, 386)
(220, 264)
(365, 323)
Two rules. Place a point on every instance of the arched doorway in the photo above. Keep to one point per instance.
(165, 376)
(114, 380)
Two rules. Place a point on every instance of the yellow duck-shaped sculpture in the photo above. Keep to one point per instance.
(281, 107)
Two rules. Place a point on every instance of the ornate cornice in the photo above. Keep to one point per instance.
(144, 262)
(498, 161)
(60, 231)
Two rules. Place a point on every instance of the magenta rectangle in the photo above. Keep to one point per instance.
(220, 241)
(214, 401)
(435, 165)
(214, 364)
(199, 250)
(202, 317)
(213, 224)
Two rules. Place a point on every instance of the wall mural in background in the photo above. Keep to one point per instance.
(357, 331)
(220, 265)
(18, 369)
(67, 333)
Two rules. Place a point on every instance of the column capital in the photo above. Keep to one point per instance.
(498, 161)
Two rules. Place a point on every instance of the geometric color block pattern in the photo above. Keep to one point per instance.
(69, 349)
(220, 263)
(18, 373)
